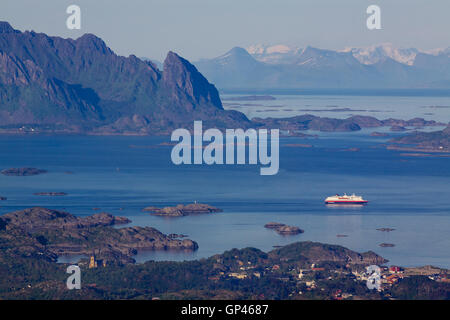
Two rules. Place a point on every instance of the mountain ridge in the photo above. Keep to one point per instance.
(284, 67)
(81, 86)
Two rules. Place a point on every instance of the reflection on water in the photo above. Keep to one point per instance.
(345, 206)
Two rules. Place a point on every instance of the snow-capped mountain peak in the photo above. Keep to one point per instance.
(273, 54)
(374, 54)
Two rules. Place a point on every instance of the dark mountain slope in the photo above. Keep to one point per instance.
(81, 85)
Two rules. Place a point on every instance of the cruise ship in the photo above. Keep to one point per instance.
(345, 199)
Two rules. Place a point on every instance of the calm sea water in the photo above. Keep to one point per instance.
(122, 175)
(382, 104)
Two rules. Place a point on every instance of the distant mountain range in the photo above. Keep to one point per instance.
(282, 66)
(55, 85)
(51, 84)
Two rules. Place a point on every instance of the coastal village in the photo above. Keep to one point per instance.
(315, 277)
(34, 238)
(324, 279)
(97, 119)
(308, 277)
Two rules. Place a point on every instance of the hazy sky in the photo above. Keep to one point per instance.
(208, 28)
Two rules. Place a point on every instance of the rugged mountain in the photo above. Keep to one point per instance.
(269, 67)
(50, 83)
(157, 63)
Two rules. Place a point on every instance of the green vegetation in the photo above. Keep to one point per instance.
(31, 239)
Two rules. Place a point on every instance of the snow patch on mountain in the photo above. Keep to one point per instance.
(285, 54)
(274, 54)
(375, 54)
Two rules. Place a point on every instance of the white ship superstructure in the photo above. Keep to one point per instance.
(345, 199)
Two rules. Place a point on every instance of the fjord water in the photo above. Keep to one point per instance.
(381, 104)
(122, 175)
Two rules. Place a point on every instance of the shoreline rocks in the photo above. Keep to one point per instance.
(61, 233)
(435, 141)
(386, 229)
(176, 235)
(53, 194)
(398, 128)
(22, 172)
(387, 245)
(182, 210)
(283, 229)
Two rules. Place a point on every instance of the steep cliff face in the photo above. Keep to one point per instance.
(28, 95)
(83, 86)
(184, 82)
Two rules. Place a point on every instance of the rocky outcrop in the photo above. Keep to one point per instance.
(38, 219)
(61, 233)
(273, 225)
(22, 171)
(315, 252)
(398, 128)
(307, 122)
(386, 229)
(436, 140)
(283, 229)
(182, 210)
(52, 194)
(387, 245)
(355, 123)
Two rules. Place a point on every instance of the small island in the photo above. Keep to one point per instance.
(22, 172)
(387, 245)
(435, 141)
(283, 229)
(378, 134)
(181, 210)
(398, 128)
(386, 229)
(53, 194)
